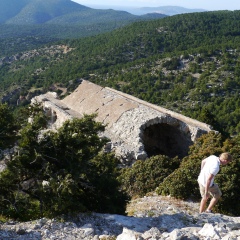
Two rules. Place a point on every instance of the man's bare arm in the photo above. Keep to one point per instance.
(203, 163)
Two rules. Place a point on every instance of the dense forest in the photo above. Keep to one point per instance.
(188, 63)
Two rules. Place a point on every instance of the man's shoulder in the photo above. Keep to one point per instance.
(212, 157)
(214, 164)
(212, 160)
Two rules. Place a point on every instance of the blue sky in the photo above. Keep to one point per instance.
(203, 4)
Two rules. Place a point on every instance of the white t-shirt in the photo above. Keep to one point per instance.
(212, 166)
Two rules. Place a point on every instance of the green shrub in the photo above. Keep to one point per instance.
(63, 172)
(145, 176)
(229, 180)
(8, 127)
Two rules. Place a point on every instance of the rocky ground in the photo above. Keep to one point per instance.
(149, 218)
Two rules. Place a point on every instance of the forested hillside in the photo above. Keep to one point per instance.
(188, 63)
(60, 19)
(23, 12)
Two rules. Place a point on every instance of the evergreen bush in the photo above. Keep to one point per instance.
(60, 172)
(145, 176)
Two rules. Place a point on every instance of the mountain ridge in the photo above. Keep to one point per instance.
(41, 11)
(169, 10)
(9, 9)
(27, 12)
(59, 19)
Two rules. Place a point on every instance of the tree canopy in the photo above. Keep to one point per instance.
(8, 127)
(60, 172)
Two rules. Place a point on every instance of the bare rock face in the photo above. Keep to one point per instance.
(136, 129)
(153, 217)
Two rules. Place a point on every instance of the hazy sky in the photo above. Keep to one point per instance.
(203, 4)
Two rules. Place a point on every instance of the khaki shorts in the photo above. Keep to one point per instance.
(214, 190)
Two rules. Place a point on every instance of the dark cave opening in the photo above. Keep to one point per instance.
(166, 140)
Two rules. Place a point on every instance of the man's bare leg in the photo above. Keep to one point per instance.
(203, 204)
(212, 203)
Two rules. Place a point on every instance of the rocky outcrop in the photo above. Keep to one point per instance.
(47, 51)
(137, 129)
(159, 218)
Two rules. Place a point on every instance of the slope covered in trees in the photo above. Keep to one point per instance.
(60, 19)
(37, 11)
(188, 63)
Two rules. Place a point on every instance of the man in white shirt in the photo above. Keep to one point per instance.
(209, 168)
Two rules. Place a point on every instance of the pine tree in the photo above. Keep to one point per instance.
(60, 172)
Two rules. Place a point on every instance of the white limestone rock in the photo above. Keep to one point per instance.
(128, 234)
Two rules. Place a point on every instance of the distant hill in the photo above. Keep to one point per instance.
(153, 15)
(10, 8)
(92, 16)
(29, 12)
(37, 11)
(167, 10)
(60, 19)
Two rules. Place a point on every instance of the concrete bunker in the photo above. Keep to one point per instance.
(137, 129)
(165, 139)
